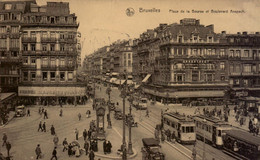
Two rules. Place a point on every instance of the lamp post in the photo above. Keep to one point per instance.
(108, 91)
(130, 148)
(123, 95)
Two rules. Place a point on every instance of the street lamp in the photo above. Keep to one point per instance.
(130, 148)
(123, 95)
(108, 91)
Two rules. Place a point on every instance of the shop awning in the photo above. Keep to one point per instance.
(130, 82)
(146, 78)
(137, 86)
(6, 96)
(112, 80)
(115, 74)
(186, 94)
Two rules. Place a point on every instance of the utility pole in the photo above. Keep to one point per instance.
(108, 91)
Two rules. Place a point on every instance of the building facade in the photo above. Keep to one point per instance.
(50, 53)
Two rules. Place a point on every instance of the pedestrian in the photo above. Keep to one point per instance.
(8, 147)
(85, 133)
(70, 150)
(45, 114)
(91, 155)
(28, 112)
(65, 144)
(54, 153)
(77, 134)
(55, 140)
(40, 126)
(61, 112)
(40, 111)
(52, 130)
(105, 146)
(147, 113)
(89, 134)
(241, 121)
(162, 136)
(173, 137)
(38, 151)
(86, 146)
(95, 146)
(4, 139)
(79, 115)
(44, 126)
(109, 146)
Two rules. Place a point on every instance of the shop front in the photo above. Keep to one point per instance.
(50, 95)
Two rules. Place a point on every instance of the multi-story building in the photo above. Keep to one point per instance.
(49, 54)
(244, 66)
(192, 63)
(10, 44)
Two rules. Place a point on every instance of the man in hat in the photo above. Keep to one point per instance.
(38, 151)
(4, 139)
(54, 153)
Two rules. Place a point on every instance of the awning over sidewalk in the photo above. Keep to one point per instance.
(112, 80)
(137, 86)
(6, 96)
(186, 94)
(146, 78)
(130, 82)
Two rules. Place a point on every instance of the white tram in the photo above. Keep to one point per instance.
(211, 128)
(182, 126)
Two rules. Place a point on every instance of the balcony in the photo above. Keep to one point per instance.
(28, 39)
(247, 73)
(9, 58)
(235, 74)
(247, 58)
(28, 52)
(48, 39)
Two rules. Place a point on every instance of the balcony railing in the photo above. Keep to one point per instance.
(48, 39)
(28, 39)
(235, 74)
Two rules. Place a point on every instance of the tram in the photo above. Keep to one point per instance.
(182, 126)
(211, 129)
(242, 144)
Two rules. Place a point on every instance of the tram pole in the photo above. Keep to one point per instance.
(204, 156)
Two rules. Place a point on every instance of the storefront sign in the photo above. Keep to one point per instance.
(51, 91)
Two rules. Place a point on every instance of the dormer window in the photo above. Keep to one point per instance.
(8, 6)
(52, 20)
(180, 39)
(210, 39)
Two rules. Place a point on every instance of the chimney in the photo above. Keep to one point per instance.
(244, 33)
(257, 33)
(223, 32)
(238, 32)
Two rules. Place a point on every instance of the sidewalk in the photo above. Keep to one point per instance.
(11, 115)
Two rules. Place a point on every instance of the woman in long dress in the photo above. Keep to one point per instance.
(77, 152)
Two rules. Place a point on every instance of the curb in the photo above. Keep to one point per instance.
(117, 157)
(8, 121)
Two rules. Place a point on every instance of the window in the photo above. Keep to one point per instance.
(246, 53)
(254, 68)
(45, 61)
(62, 76)
(8, 6)
(236, 81)
(62, 36)
(25, 76)
(44, 76)
(33, 34)
(52, 47)
(53, 62)
(32, 47)
(15, 29)
(25, 47)
(210, 39)
(70, 76)
(14, 43)
(183, 130)
(14, 53)
(52, 20)
(44, 34)
(179, 78)
(25, 61)
(33, 75)
(238, 53)
(62, 62)
(247, 68)
(33, 60)
(53, 35)
(52, 76)
(129, 55)
(189, 129)
(180, 39)
(129, 62)
(44, 47)
(195, 76)
(222, 52)
(231, 53)
(2, 29)
(222, 65)
(70, 62)
(25, 34)
(62, 47)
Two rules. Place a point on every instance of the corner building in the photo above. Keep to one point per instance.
(192, 64)
(50, 54)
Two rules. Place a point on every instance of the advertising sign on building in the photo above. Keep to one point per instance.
(51, 91)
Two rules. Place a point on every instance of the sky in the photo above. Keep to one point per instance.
(105, 21)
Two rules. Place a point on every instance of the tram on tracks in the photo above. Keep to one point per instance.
(242, 144)
(211, 129)
(182, 126)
